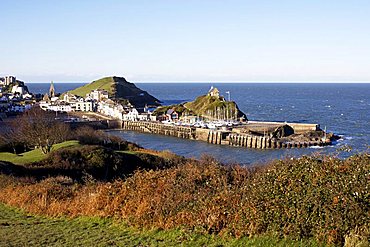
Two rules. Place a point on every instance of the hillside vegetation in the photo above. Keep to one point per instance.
(207, 106)
(212, 106)
(106, 83)
(321, 197)
(118, 89)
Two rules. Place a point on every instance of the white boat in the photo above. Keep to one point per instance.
(219, 124)
(211, 126)
(167, 122)
(197, 125)
(200, 124)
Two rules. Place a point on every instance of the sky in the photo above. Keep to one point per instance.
(186, 41)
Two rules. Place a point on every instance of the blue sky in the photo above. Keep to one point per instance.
(188, 40)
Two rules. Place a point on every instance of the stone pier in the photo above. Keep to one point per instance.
(217, 137)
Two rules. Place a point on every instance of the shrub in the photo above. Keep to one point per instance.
(89, 136)
(321, 197)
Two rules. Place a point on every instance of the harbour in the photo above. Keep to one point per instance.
(232, 136)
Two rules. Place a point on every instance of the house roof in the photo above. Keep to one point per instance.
(170, 111)
(213, 90)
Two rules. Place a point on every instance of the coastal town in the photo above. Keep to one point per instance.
(211, 117)
(15, 98)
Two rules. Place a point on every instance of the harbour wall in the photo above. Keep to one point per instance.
(298, 128)
(218, 137)
(161, 129)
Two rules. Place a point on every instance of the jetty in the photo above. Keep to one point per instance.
(235, 136)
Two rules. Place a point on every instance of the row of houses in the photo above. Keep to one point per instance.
(124, 112)
(95, 101)
(7, 80)
(14, 95)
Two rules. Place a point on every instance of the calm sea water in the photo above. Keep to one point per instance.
(343, 108)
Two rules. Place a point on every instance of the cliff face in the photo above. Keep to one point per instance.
(119, 89)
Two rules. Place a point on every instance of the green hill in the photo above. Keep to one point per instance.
(105, 83)
(118, 89)
(214, 107)
(207, 106)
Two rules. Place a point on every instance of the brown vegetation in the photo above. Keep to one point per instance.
(321, 197)
(89, 136)
(35, 128)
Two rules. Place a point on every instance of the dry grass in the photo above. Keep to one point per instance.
(320, 197)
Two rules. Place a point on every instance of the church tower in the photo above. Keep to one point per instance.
(52, 90)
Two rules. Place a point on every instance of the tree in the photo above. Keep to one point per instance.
(9, 136)
(39, 128)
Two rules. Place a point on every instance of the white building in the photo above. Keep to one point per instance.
(18, 89)
(9, 80)
(68, 97)
(98, 95)
(131, 115)
(82, 106)
(60, 108)
(27, 96)
(110, 108)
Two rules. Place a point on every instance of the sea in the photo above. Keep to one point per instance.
(341, 108)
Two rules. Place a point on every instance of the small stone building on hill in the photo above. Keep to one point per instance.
(214, 92)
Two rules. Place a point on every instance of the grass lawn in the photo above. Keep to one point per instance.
(17, 228)
(33, 155)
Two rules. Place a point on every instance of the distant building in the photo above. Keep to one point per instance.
(214, 92)
(9, 80)
(46, 98)
(172, 115)
(98, 95)
(110, 108)
(131, 115)
(52, 90)
(82, 105)
(68, 97)
(18, 89)
(61, 107)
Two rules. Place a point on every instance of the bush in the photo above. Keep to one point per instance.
(89, 136)
(307, 197)
(321, 197)
(95, 162)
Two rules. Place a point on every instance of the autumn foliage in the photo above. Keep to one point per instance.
(321, 197)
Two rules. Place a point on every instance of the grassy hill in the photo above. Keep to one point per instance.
(105, 83)
(118, 89)
(207, 106)
(211, 106)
